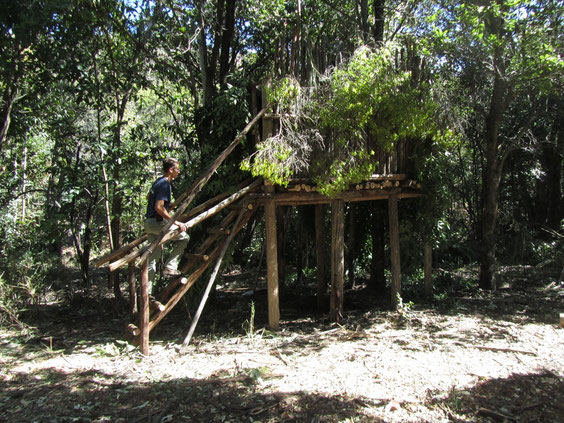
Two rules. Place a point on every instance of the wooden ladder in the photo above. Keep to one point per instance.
(196, 264)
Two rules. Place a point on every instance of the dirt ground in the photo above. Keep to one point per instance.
(468, 357)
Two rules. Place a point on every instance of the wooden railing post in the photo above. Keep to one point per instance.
(337, 259)
(272, 261)
(144, 309)
(132, 290)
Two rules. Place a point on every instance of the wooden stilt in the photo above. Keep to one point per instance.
(394, 249)
(337, 259)
(272, 262)
(132, 290)
(144, 309)
(428, 269)
(320, 256)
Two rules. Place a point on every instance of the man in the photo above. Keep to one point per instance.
(159, 199)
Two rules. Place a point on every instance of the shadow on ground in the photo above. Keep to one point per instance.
(519, 398)
(52, 396)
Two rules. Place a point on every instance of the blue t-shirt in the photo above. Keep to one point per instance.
(161, 190)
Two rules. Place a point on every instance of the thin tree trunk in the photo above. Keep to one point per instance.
(378, 10)
(24, 181)
(364, 24)
(490, 186)
(9, 100)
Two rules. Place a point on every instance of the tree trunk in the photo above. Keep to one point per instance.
(226, 40)
(363, 20)
(378, 6)
(6, 113)
(553, 153)
(490, 185)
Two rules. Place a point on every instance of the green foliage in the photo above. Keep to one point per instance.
(330, 131)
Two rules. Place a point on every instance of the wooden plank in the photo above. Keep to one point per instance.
(144, 309)
(428, 270)
(314, 197)
(338, 259)
(272, 262)
(320, 255)
(120, 252)
(394, 249)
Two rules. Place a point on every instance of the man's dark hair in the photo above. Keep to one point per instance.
(169, 163)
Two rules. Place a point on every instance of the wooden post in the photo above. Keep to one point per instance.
(144, 309)
(394, 249)
(132, 290)
(337, 259)
(320, 256)
(428, 269)
(272, 261)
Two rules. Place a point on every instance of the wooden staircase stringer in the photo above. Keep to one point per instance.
(191, 280)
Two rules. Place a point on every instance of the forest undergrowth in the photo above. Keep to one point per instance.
(469, 356)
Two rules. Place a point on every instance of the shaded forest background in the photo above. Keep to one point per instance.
(95, 93)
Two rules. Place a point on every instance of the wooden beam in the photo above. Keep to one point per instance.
(113, 255)
(320, 255)
(144, 309)
(313, 197)
(428, 270)
(272, 262)
(337, 259)
(120, 252)
(190, 224)
(394, 249)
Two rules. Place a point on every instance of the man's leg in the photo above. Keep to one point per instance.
(180, 242)
(152, 229)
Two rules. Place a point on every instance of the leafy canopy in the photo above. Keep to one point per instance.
(330, 132)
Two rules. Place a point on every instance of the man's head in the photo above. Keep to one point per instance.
(170, 163)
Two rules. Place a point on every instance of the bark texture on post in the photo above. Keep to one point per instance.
(337, 260)
(320, 256)
(132, 290)
(394, 249)
(144, 309)
(272, 262)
